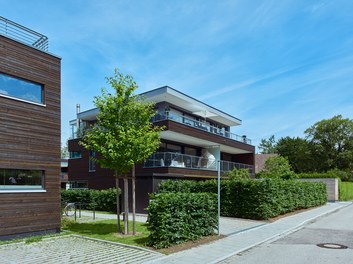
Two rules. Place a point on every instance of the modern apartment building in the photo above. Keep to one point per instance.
(195, 138)
(29, 132)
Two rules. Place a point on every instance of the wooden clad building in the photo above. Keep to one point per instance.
(29, 134)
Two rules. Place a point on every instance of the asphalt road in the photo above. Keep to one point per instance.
(302, 247)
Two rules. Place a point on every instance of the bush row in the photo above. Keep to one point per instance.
(256, 199)
(177, 217)
(343, 175)
(102, 200)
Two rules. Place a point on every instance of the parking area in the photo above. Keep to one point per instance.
(73, 249)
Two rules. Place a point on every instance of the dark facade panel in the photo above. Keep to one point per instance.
(197, 133)
(30, 140)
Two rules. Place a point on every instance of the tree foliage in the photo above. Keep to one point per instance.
(123, 134)
(64, 151)
(298, 151)
(277, 167)
(268, 146)
(328, 145)
(333, 141)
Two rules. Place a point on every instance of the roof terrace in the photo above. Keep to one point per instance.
(22, 34)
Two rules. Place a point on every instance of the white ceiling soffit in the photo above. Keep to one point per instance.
(168, 94)
(88, 115)
(193, 141)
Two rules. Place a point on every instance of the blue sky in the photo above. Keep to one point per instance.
(279, 66)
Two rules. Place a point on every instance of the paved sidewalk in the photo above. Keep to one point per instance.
(229, 225)
(224, 248)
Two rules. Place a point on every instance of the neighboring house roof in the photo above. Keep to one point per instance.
(260, 160)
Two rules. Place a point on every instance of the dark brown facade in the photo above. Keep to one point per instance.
(30, 141)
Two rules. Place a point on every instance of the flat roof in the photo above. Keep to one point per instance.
(173, 96)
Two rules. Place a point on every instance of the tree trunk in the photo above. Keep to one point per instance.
(133, 202)
(117, 202)
(126, 206)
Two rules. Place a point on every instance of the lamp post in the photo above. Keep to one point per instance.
(219, 194)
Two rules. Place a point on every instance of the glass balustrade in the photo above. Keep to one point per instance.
(172, 159)
(199, 125)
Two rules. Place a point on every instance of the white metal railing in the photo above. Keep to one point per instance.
(25, 35)
(172, 159)
(199, 125)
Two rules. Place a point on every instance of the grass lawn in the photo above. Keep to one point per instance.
(346, 191)
(107, 230)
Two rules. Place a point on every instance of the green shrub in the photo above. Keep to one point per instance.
(102, 200)
(277, 167)
(257, 199)
(236, 174)
(319, 175)
(343, 175)
(177, 217)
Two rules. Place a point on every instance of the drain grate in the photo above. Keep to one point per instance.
(332, 246)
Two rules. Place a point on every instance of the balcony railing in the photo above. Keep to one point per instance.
(200, 125)
(172, 159)
(25, 35)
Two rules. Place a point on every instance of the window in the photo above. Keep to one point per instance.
(75, 154)
(91, 161)
(77, 185)
(21, 89)
(173, 148)
(17, 179)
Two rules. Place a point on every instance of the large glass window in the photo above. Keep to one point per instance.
(21, 89)
(16, 179)
(173, 148)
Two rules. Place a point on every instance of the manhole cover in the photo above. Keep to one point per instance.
(332, 246)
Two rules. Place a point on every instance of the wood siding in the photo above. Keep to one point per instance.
(30, 139)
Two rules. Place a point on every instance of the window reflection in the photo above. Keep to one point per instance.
(21, 89)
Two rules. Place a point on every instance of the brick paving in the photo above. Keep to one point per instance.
(73, 249)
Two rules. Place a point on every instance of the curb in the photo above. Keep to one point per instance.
(119, 244)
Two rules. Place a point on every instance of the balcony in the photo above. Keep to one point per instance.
(177, 160)
(22, 34)
(200, 125)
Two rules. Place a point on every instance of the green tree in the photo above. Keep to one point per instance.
(333, 141)
(298, 151)
(64, 151)
(277, 167)
(268, 146)
(123, 134)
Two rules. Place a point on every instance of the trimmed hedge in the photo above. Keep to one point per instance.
(343, 175)
(319, 175)
(257, 199)
(102, 200)
(177, 217)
